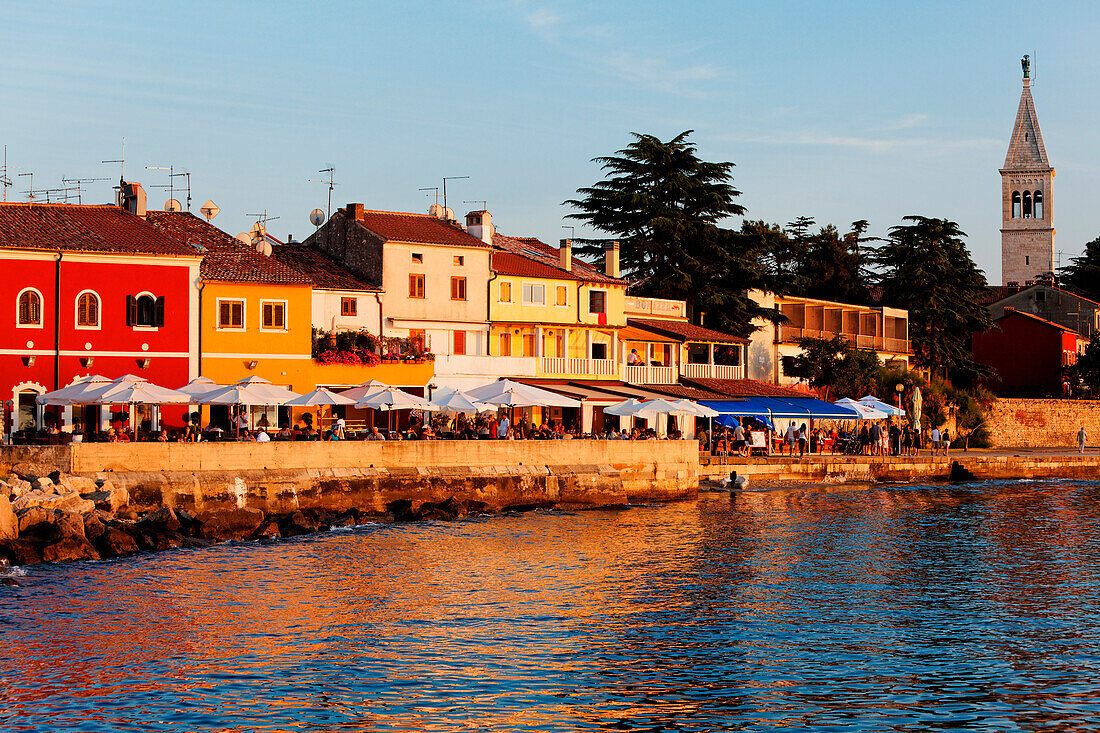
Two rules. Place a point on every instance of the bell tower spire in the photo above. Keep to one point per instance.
(1027, 196)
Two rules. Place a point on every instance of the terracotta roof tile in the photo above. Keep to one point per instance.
(744, 388)
(401, 226)
(227, 259)
(325, 272)
(533, 258)
(84, 228)
(684, 331)
(1046, 322)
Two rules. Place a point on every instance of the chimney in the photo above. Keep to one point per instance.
(480, 224)
(611, 258)
(565, 254)
(131, 197)
(354, 211)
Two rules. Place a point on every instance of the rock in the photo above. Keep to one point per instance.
(230, 524)
(79, 484)
(5, 489)
(30, 471)
(115, 543)
(120, 497)
(161, 521)
(20, 552)
(401, 510)
(269, 529)
(350, 518)
(297, 523)
(69, 549)
(70, 524)
(94, 526)
(32, 515)
(127, 514)
(9, 525)
(18, 487)
(69, 502)
(43, 483)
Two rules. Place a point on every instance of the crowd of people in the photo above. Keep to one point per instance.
(872, 439)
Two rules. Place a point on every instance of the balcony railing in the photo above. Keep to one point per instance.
(639, 374)
(577, 367)
(791, 334)
(712, 371)
(897, 346)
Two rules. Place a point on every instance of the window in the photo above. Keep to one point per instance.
(506, 292)
(458, 288)
(1027, 204)
(1015, 204)
(231, 314)
(597, 301)
(459, 260)
(505, 344)
(418, 259)
(599, 351)
(349, 306)
(534, 294)
(420, 337)
(1027, 260)
(273, 315)
(29, 307)
(459, 343)
(87, 310)
(1037, 204)
(562, 297)
(529, 344)
(144, 311)
(416, 286)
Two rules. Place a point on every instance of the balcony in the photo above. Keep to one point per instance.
(484, 366)
(639, 374)
(576, 367)
(712, 371)
(791, 335)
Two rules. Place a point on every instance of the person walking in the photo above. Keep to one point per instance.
(803, 437)
(1082, 436)
(934, 439)
(792, 438)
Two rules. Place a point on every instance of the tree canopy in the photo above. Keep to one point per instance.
(664, 203)
(925, 267)
(1083, 273)
(832, 365)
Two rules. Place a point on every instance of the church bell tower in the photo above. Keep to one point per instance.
(1027, 197)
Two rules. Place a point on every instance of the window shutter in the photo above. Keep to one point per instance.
(131, 310)
(158, 312)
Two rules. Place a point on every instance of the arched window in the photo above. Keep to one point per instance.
(29, 308)
(1027, 204)
(1015, 204)
(145, 307)
(1037, 204)
(87, 310)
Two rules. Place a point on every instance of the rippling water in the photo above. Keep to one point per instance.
(849, 608)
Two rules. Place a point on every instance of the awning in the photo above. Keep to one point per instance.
(791, 407)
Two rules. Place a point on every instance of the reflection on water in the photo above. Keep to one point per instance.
(901, 608)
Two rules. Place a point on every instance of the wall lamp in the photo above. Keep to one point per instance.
(252, 364)
(87, 361)
(144, 363)
(28, 360)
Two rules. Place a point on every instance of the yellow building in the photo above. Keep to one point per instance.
(560, 311)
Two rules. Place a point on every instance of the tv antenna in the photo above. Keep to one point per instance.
(263, 219)
(572, 231)
(445, 179)
(171, 178)
(5, 182)
(29, 191)
(79, 182)
(433, 189)
(121, 160)
(331, 183)
(484, 204)
(186, 175)
(61, 195)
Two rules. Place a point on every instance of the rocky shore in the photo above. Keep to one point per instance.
(49, 516)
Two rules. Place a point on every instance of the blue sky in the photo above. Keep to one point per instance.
(839, 111)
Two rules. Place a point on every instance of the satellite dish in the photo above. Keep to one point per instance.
(264, 247)
(172, 205)
(317, 217)
(258, 230)
(209, 209)
(245, 237)
(436, 210)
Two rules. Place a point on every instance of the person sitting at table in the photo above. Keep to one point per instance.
(262, 436)
(330, 436)
(427, 433)
(162, 436)
(375, 435)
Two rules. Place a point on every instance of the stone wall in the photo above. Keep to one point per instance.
(1036, 423)
(337, 476)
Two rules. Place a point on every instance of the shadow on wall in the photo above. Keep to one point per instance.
(761, 364)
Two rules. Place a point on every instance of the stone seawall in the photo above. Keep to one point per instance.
(969, 466)
(284, 477)
(1027, 423)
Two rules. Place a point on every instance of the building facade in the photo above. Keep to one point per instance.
(1052, 303)
(1035, 371)
(1027, 197)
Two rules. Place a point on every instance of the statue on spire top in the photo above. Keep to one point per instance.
(1026, 63)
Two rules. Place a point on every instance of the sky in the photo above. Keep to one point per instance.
(839, 111)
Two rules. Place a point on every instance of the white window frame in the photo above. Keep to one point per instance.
(511, 291)
(218, 314)
(41, 309)
(99, 311)
(524, 300)
(286, 310)
(566, 303)
(136, 327)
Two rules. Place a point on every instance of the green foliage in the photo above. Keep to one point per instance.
(1085, 374)
(1083, 273)
(925, 267)
(663, 203)
(833, 365)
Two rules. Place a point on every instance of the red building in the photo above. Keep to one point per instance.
(92, 290)
(1028, 353)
